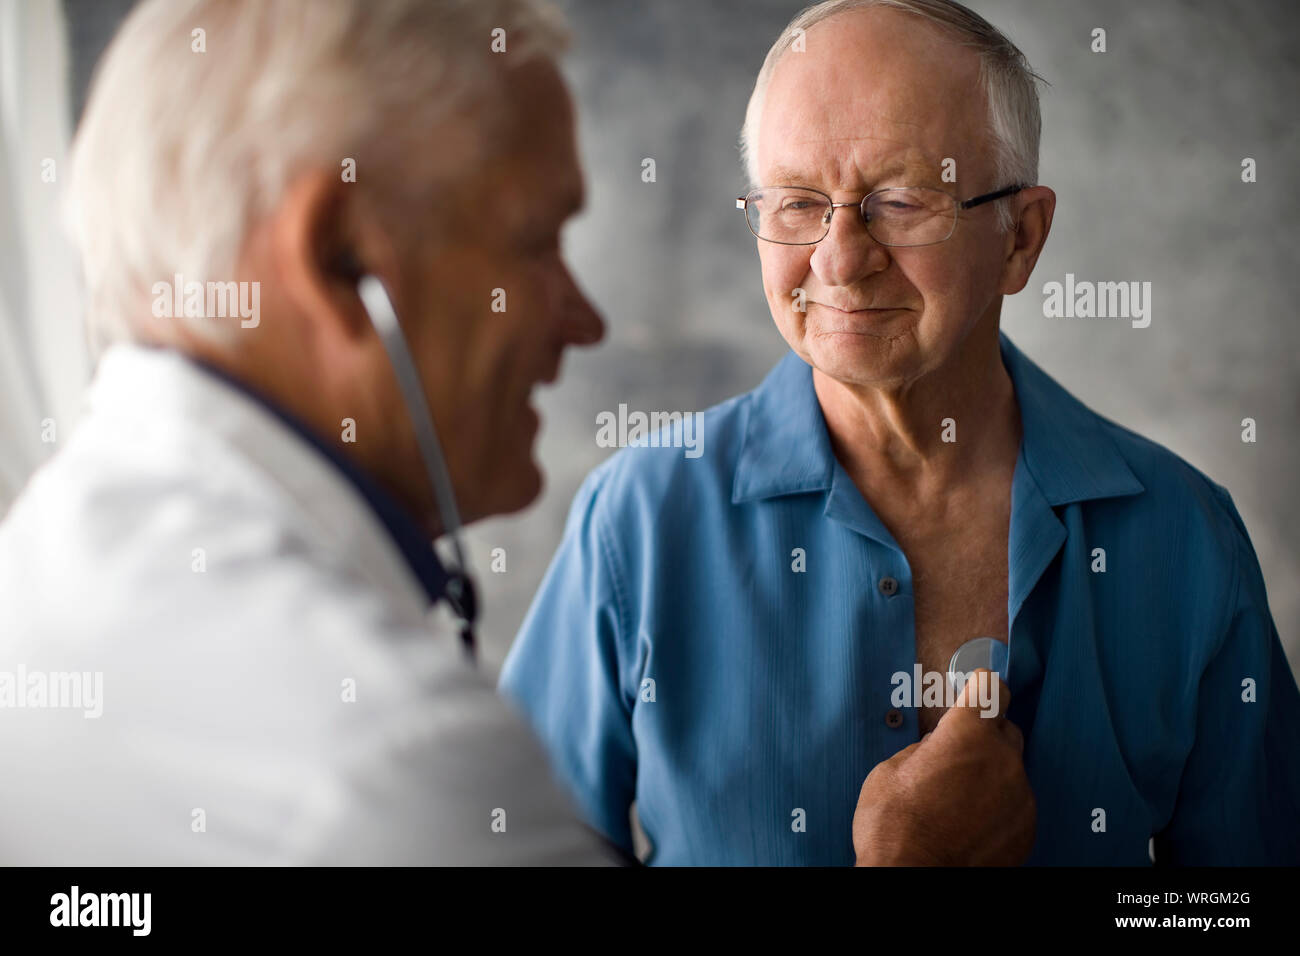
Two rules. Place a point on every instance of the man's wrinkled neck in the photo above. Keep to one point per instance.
(954, 421)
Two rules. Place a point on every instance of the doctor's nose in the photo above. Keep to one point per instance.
(580, 323)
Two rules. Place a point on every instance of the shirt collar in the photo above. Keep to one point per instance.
(1065, 446)
(401, 525)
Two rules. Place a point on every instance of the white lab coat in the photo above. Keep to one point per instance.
(230, 586)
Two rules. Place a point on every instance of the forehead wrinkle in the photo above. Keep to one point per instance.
(912, 167)
(925, 126)
(865, 121)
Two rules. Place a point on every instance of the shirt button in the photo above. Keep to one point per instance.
(894, 718)
(888, 586)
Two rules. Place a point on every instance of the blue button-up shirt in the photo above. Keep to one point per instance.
(676, 656)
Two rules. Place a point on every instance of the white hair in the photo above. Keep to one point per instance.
(1005, 75)
(179, 151)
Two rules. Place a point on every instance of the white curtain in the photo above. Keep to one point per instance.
(43, 356)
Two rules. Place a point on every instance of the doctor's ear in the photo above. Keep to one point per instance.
(346, 265)
(317, 252)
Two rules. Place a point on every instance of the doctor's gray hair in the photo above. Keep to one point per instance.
(202, 111)
(1008, 81)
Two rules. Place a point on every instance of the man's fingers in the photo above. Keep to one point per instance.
(889, 765)
(985, 692)
(985, 696)
(1012, 733)
(906, 752)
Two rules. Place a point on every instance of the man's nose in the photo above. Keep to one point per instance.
(580, 323)
(848, 254)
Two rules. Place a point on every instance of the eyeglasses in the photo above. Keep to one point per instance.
(897, 216)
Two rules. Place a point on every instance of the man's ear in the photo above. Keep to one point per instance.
(313, 250)
(1025, 242)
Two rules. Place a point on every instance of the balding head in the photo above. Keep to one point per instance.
(1008, 84)
(879, 98)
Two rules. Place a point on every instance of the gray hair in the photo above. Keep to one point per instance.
(1008, 81)
(180, 150)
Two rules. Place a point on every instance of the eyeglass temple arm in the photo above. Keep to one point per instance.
(989, 197)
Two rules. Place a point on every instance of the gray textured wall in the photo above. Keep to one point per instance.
(1143, 146)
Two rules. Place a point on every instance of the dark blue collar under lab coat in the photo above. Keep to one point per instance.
(402, 526)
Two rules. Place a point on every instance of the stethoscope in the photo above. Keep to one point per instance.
(982, 652)
(460, 593)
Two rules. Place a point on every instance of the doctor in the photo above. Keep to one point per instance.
(232, 554)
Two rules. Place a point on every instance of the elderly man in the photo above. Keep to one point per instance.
(729, 641)
(216, 643)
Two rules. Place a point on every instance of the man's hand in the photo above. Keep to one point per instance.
(958, 797)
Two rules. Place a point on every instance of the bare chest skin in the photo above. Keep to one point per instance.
(958, 557)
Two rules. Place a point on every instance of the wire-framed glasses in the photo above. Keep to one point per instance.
(896, 216)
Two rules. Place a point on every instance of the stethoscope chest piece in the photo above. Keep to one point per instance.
(982, 652)
(463, 600)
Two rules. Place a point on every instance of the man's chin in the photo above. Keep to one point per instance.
(528, 489)
(863, 359)
(521, 485)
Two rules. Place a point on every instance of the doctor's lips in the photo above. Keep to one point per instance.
(551, 374)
